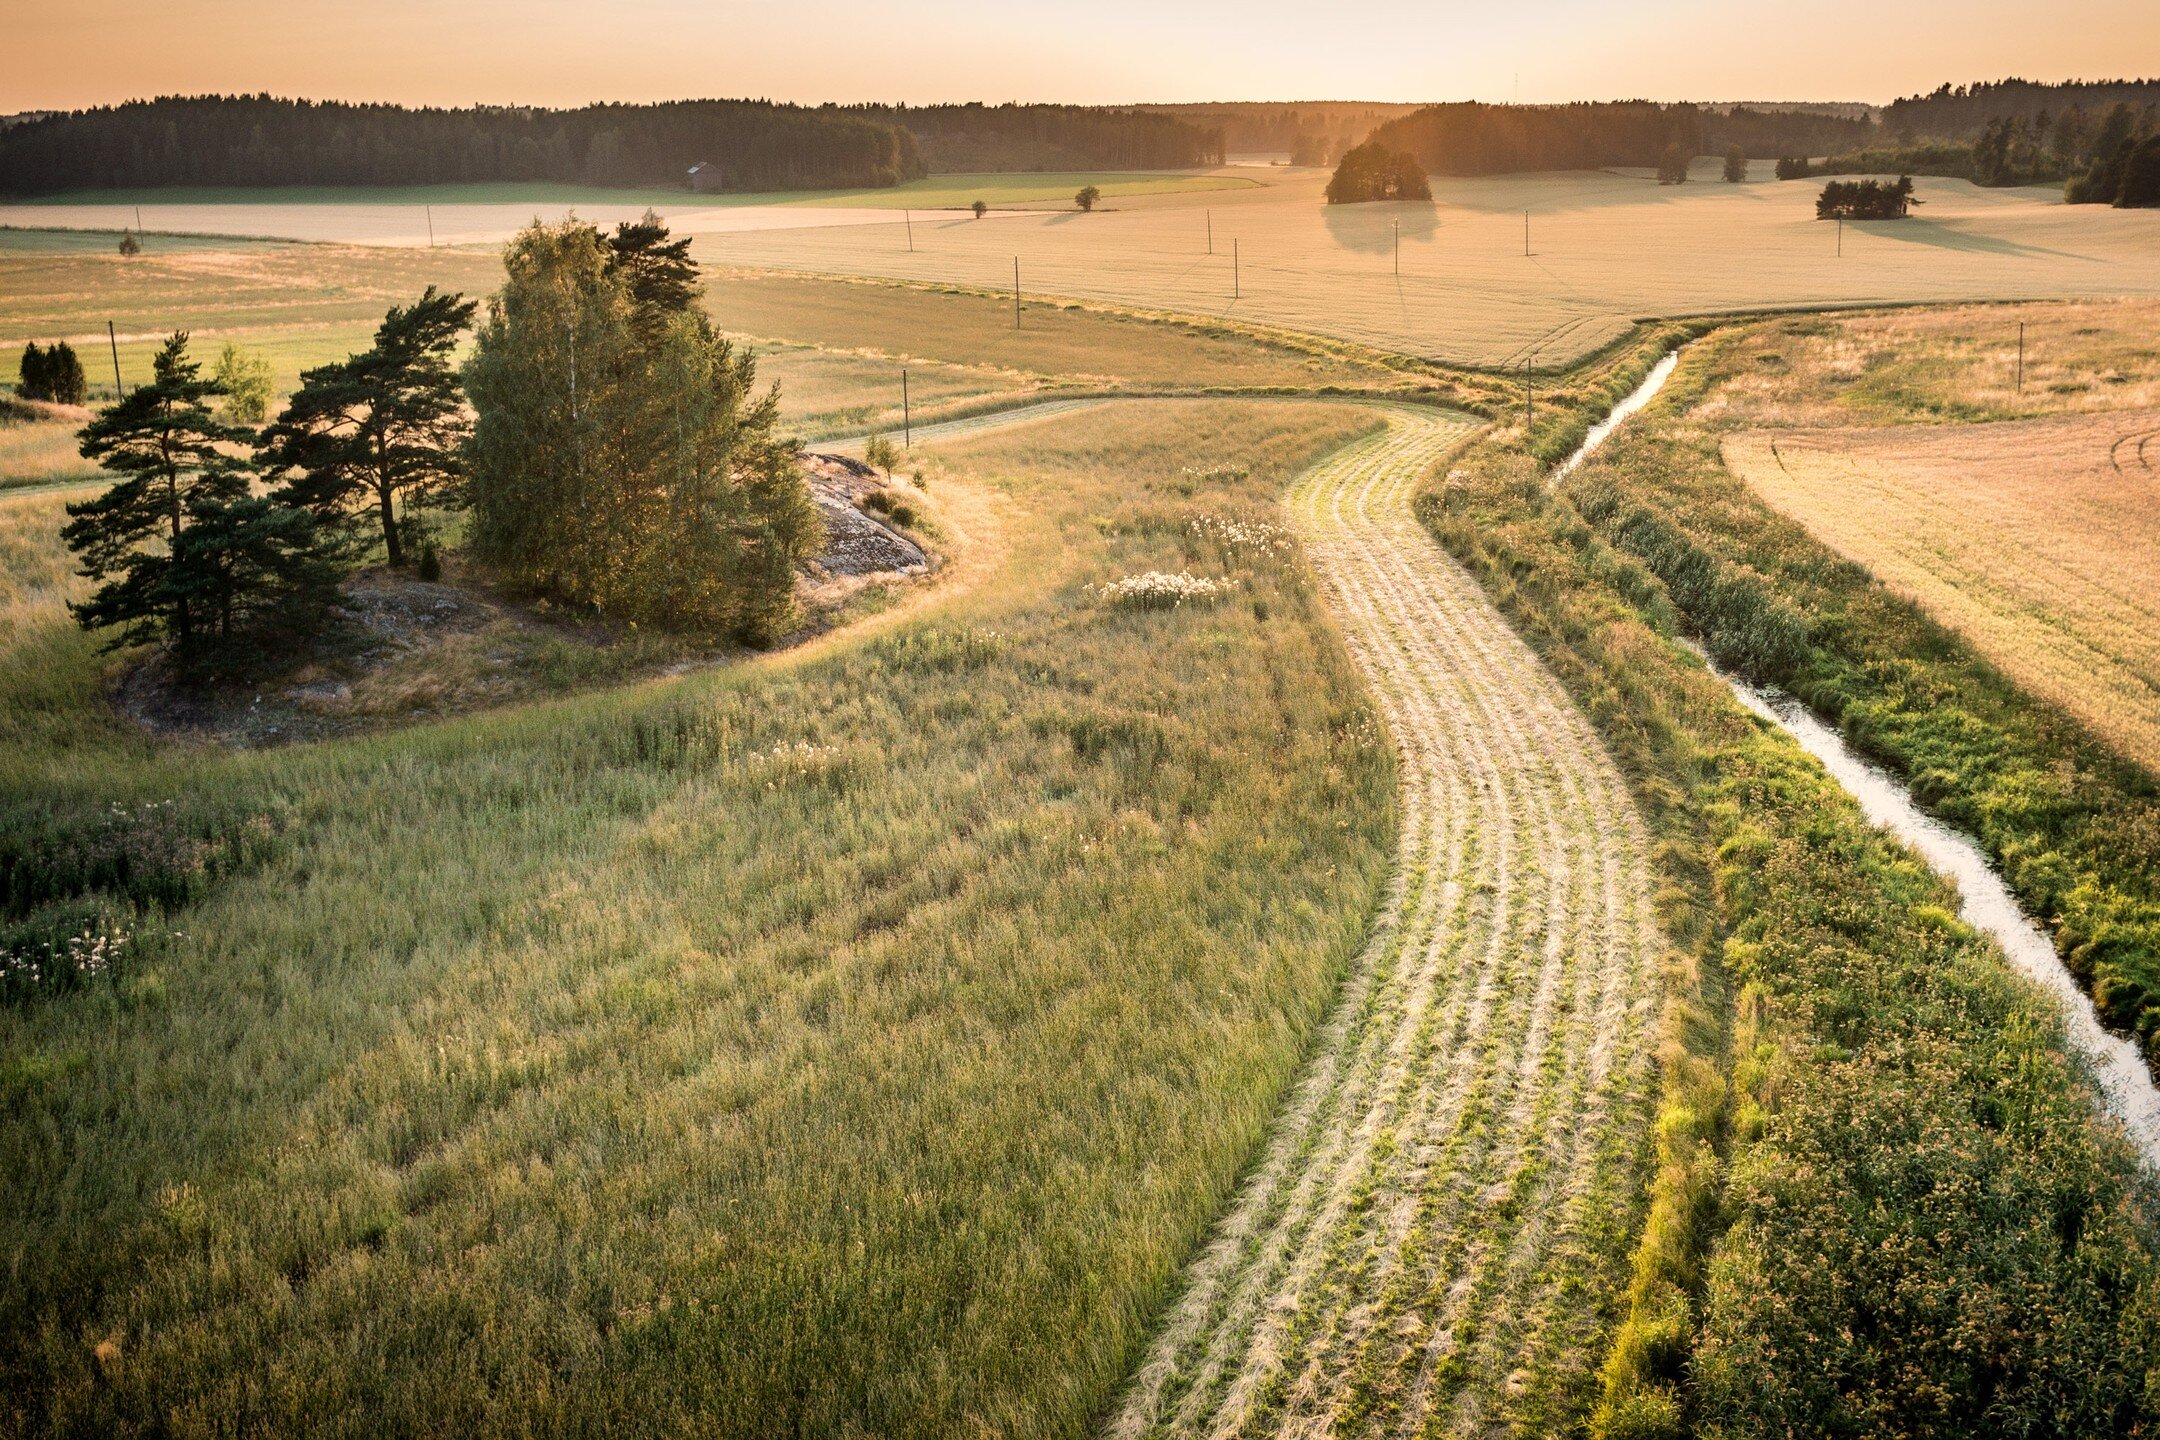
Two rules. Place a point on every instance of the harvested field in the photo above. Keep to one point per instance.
(2038, 540)
(1433, 1241)
(1603, 249)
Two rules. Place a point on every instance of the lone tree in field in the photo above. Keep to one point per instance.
(369, 438)
(1373, 172)
(1735, 164)
(980, 208)
(1087, 197)
(1673, 165)
(53, 373)
(183, 551)
(620, 461)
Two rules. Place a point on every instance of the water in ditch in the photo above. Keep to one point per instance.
(1986, 904)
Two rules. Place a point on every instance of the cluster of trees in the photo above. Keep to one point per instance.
(621, 461)
(1373, 172)
(259, 140)
(956, 138)
(52, 372)
(614, 456)
(1866, 200)
(2122, 165)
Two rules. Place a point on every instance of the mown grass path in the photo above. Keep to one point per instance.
(1434, 1238)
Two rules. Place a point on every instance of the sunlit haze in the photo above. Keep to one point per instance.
(556, 53)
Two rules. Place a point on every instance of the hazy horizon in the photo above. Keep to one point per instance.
(556, 54)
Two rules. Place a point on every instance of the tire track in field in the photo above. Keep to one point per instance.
(1433, 1235)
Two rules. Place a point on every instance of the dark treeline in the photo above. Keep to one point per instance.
(258, 140)
(1310, 132)
(1962, 112)
(1473, 138)
(755, 145)
(1050, 137)
(2108, 158)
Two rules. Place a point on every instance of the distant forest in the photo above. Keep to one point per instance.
(756, 145)
(960, 138)
(1962, 112)
(1473, 138)
(1310, 132)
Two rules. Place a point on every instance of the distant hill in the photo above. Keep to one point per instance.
(1473, 138)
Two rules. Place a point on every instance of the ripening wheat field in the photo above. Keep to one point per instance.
(1604, 248)
(2038, 540)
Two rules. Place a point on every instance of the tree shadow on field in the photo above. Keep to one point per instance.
(1949, 235)
(1369, 228)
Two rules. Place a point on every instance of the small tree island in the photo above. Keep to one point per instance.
(1373, 172)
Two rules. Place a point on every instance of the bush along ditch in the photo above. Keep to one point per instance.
(1883, 1200)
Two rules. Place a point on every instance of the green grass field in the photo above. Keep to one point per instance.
(864, 1037)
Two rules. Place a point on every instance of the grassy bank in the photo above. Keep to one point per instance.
(852, 1043)
(2074, 826)
(1883, 1203)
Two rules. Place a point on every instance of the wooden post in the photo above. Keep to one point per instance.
(1526, 234)
(1016, 292)
(907, 415)
(1237, 273)
(119, 391)
(1398, 249)
(1841, 236)
(2021, 357)
(1211, 232)
(138, 225)
(430, 225)
(910, 214)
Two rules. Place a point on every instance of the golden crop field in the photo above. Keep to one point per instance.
(2039, 540)
(1604, 249)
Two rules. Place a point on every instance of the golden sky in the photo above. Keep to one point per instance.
(558, 53)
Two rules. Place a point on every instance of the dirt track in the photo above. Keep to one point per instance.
(1432, 1238)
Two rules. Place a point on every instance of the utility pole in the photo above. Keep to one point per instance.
(1841, 237)
(1398, 249)
(1211, 232)
(2021, 357)
(907, 415)
(430, 225)
(910, 214)
(119, 391)
(1526, 234)
(1237, 274)
(1016, 292)
(138, 225)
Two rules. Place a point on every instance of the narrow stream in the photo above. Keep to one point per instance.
(1642, 395)
(1986, 904)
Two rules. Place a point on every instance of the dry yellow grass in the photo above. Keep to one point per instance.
(2038, 540)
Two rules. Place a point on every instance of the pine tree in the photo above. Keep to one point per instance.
(65, 383)
(183, 552)
(658, 272)
(367, 439)
(36, 381)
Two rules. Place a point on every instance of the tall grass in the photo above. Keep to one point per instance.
(852, 1044)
